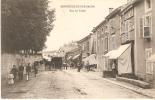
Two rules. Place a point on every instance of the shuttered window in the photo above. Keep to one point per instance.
(141, 27)
(149, 65)
(148, 53)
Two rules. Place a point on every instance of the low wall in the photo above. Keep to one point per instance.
(8, 60)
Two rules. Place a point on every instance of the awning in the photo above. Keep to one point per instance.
(152, 58)
(91, 59)
(114, 54)
(117, 53)
(75, 57)
(123, 55)
(110, 53)
(124, 61)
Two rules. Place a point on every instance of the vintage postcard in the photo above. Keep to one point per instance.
(77, 49)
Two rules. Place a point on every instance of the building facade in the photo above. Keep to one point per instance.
(84, 44)
(144, 39)
(127, 35)
(101, 32)
(108, 39)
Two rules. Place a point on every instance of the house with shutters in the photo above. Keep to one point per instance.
(137, 22)
(144, 12)
(101, 32)
(127, 35)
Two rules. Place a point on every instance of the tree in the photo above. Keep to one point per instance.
(25, 25)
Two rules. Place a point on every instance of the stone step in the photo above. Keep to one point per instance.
(139, 83)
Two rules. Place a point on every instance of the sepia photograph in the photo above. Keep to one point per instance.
(78, 49)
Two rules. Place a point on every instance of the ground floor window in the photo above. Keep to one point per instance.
(149, 67)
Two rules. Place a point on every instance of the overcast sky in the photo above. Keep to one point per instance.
(76, 25)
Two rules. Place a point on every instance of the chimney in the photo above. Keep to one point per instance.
(110, 10)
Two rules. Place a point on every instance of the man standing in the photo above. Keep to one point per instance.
(35, 68)
(20, 73)
(114, 70)
(79, 64)
(28, 70)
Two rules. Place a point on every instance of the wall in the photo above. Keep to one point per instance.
(139, 43)
(153, 35)
(142, 44)
(116, 26)
(100, 47)
(8, 60)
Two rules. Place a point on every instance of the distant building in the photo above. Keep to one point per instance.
(68, 47)
(102, 43)
(49, 54)
(84, 45)
(108, 39)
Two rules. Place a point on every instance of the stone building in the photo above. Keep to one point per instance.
(144, 12)
(84, 44)
(102, 43)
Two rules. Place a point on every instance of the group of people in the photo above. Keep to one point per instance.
(19, 71)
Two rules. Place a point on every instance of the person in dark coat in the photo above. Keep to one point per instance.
(28, 70)
(114, 68)
(20, 73)
(14, 71)
(35, 69)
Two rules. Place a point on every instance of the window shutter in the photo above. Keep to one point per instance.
(141, 27)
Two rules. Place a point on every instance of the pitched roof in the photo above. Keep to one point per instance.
(114, 12)
(84, 39)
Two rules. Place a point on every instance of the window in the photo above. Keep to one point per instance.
(147, 21)
(94, 46)
(147, 26)
(98, 45)
(131, 24)
(126, 30)
(149, 67)
(83, 47)
(148, 52)
(106, 43)
(141, 27)
(102, 46)
(148, 5)
(87, 46)
(113, 41)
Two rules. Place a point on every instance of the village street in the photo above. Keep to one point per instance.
(70, 84)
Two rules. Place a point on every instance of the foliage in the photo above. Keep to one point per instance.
(25, 25)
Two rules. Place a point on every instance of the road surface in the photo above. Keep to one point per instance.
(66, 84)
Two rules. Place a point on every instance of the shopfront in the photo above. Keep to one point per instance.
(122, 59)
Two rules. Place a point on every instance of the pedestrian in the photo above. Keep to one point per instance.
(65, 65)
(79, 66)
(114, 69)
(10, 79)
(20, 73)
(14, 71)
(35, 69)
(28, 70)
(87, 65)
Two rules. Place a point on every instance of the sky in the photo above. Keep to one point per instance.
(73, 26)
